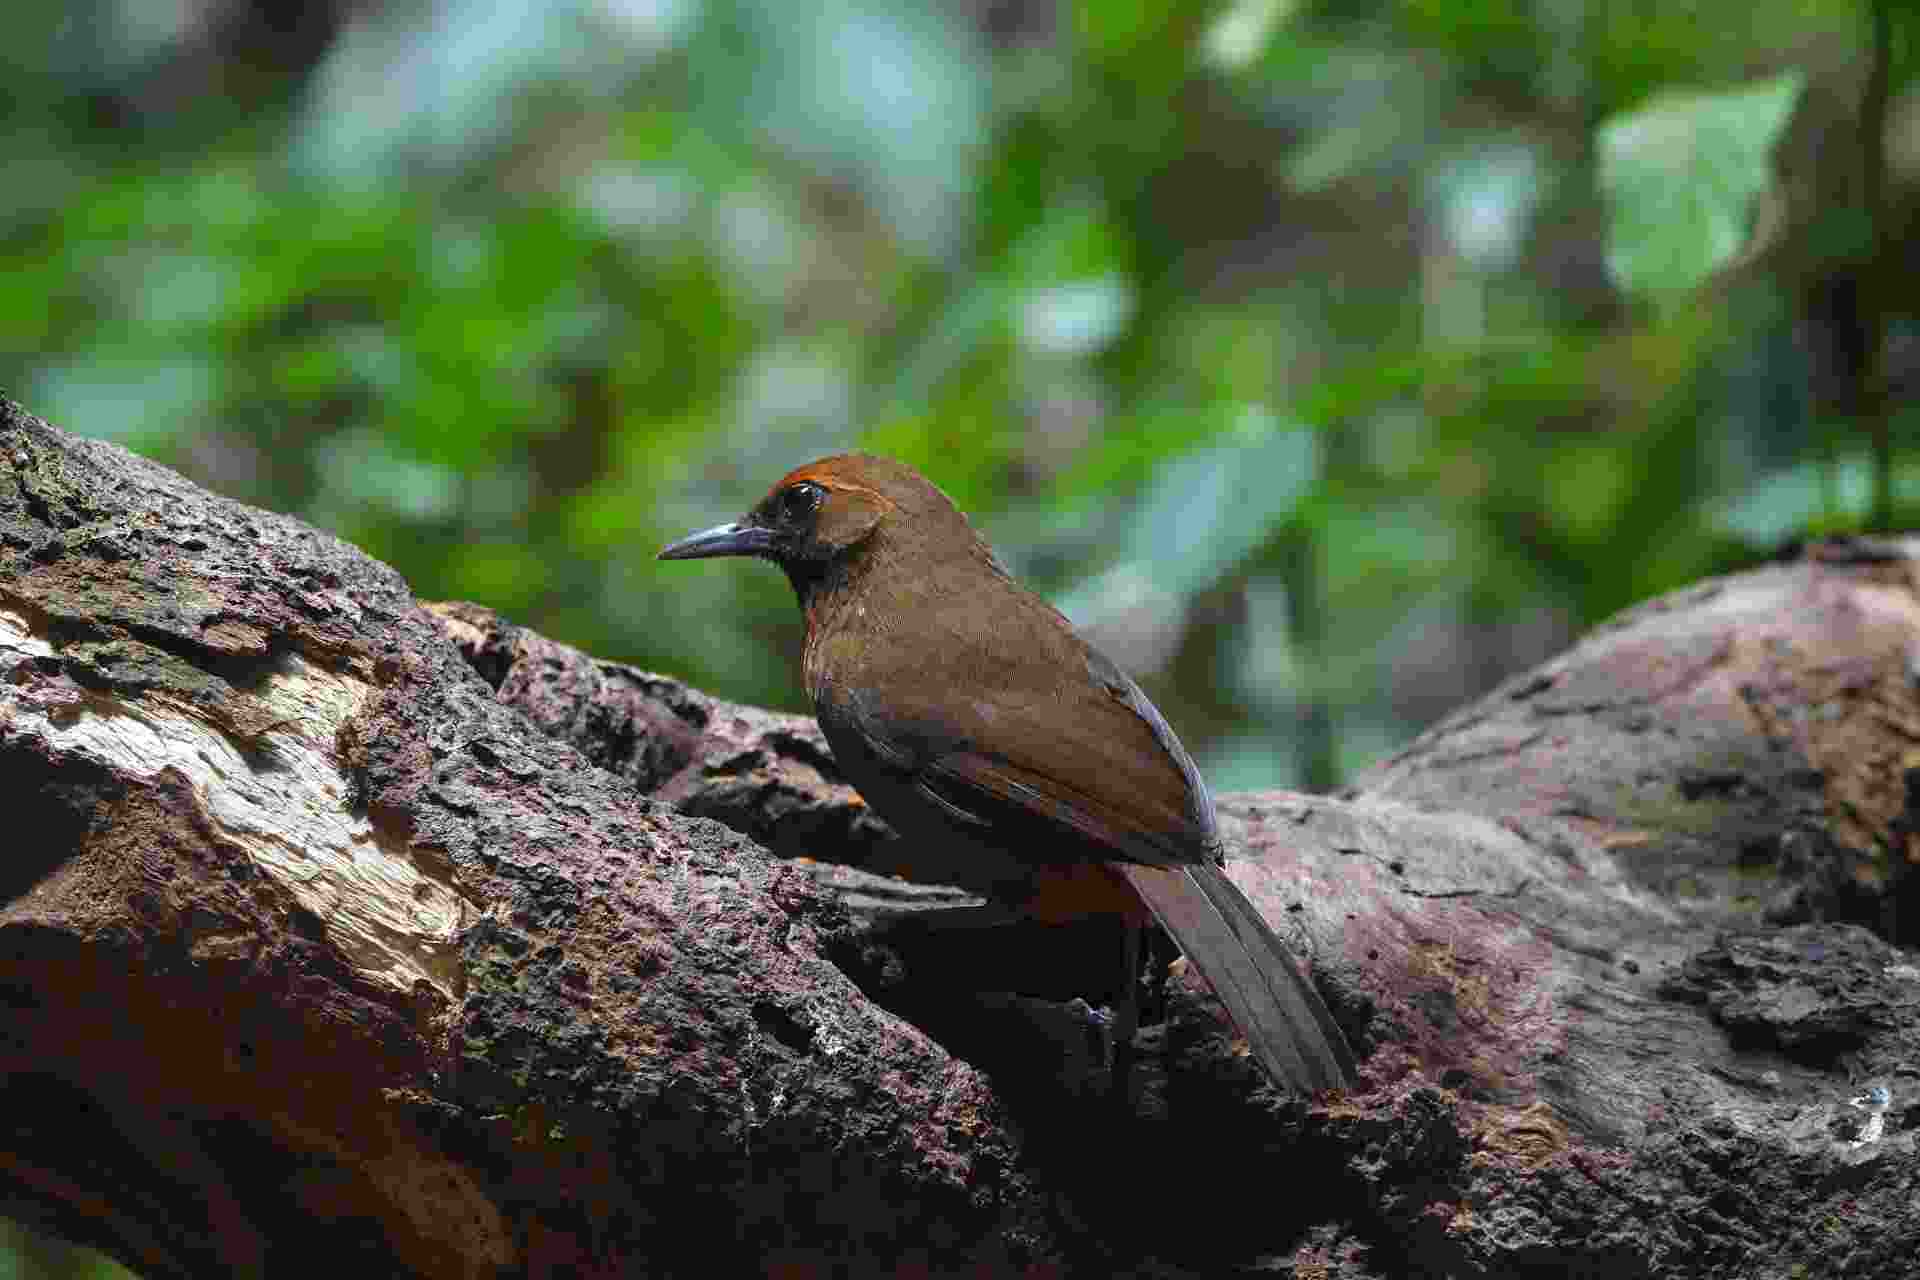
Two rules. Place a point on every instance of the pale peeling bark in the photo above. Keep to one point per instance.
(393, 921)
(338, 930)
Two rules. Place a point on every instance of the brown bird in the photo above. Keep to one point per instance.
(1013, 757)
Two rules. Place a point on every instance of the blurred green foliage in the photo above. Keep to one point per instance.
(1329, 359)
(28, 1255)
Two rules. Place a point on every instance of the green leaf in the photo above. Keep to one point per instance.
(1680, 173)
(1206, 512)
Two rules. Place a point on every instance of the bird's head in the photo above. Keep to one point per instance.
(825, 513)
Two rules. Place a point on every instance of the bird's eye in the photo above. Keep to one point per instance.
(799, 501)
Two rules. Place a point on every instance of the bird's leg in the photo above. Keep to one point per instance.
(1153, 1003)
(1126, 1011)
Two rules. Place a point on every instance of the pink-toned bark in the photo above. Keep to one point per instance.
(340, 929)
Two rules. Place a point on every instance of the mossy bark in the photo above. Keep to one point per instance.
(340, 929)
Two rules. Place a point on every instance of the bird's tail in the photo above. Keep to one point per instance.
(1292, 1034)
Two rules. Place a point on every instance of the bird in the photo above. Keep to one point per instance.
(1014, 758)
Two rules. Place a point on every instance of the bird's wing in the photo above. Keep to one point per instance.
(1084, 767)
(1023, 808)
(1063, 759)
(1093, 773)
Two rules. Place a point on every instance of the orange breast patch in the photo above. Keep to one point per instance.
(1070, 891)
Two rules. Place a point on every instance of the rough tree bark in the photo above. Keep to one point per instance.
(338, 928)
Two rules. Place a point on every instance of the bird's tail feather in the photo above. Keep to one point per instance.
(1288, 1026)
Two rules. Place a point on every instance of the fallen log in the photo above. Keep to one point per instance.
(337, 928)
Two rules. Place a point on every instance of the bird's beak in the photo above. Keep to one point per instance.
(736, 539)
